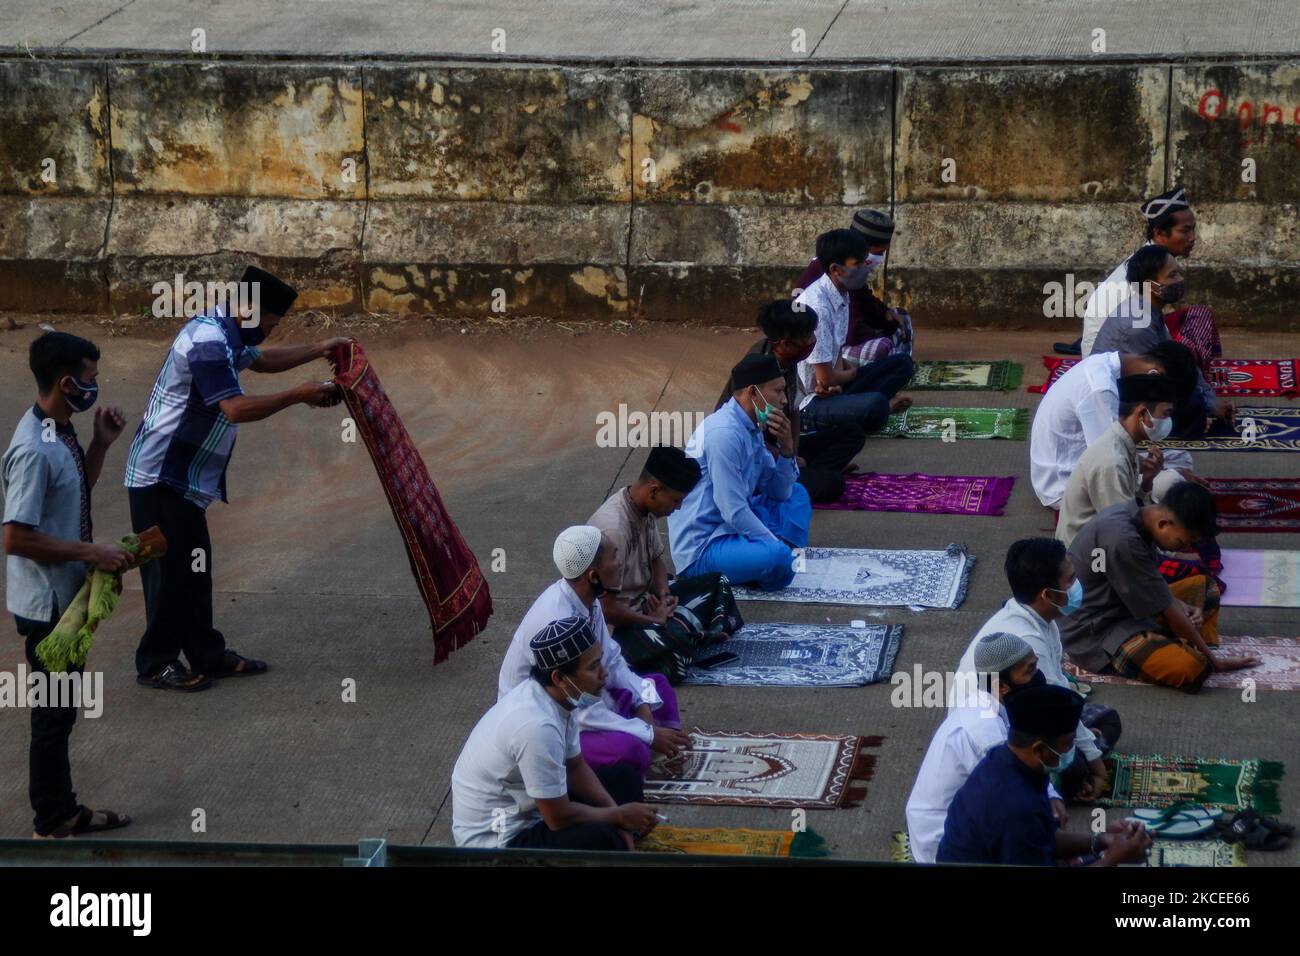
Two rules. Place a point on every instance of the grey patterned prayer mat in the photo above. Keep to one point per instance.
(928, 579)
(804, 655)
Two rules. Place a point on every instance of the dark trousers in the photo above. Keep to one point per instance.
(623, 784)
(1189, 416)
(863, 402)
(828, 451)
(177, 598)
(49, 782)
(1094, 717)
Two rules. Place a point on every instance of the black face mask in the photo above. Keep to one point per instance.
(596, 586)
(252, 336)
(1038, 680)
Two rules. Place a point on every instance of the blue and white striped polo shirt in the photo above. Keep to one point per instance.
(184, 441)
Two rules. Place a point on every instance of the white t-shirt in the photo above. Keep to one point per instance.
(965, 736)
(1074, 413)
(832, 308)
(514, 757)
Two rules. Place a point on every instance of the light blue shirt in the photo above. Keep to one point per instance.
(734, 466)
(42, 489)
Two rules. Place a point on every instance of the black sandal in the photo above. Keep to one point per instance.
(175, 677)
(236, 665)
(83, 823)
(1255, 831)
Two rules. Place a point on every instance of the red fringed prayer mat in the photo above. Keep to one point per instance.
(1272, 378)
(446, 570)
(1257, 504)
(817, 771)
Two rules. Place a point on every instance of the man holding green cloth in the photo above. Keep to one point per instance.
(47, 480)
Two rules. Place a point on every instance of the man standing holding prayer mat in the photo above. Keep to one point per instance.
(748, 513)
(176, 468)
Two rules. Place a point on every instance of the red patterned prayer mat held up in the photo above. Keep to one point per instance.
(446, 570)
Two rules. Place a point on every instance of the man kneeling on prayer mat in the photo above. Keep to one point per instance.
(634, 717)
(1044, 590)
(1132, 622)
(1112, 470)
(748, 513)
(1003, 815)
(976, 723)
(823, 455)
(521, 780)
(660, 626)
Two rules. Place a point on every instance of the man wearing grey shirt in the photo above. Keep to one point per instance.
(47, 479)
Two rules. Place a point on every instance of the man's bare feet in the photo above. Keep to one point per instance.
(900, 405)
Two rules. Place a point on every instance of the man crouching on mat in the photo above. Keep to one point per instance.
(177, 467)
(748, 513)
(635, 717)
(521, 780)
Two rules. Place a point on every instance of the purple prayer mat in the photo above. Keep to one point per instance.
(924, 494)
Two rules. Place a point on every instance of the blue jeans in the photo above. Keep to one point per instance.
(865, 400)
(766, 563)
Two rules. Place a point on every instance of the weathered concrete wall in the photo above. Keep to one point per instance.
(672, 193)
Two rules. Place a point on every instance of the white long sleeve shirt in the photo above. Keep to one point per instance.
(1113, 290)
(1045, 641)
(555, 603)
(1074, 413)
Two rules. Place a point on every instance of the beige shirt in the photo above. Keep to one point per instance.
(637, 542)
(1106, 474)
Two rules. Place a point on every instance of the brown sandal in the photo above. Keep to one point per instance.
(84, 822)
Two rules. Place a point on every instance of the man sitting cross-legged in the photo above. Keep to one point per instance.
(976, 723)
(823, 455)
(1132, 622)
(831, 391)
(634, 715)
(521, 780)
(1002, 812)
(659, 625)
(748, 513)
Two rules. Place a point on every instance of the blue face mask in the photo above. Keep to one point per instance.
(1073, 598)
(1067, 758)
(85, 397)
(583, 700)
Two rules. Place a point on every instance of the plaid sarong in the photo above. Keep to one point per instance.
(1159, 658)
(1194, 327)
(447, 572)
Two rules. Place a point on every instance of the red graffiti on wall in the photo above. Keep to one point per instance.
(1258, 123)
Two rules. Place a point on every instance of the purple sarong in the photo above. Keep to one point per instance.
(604, 748)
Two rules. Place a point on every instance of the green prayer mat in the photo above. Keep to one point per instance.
(948, 375)
(69, 643)
(962, 423)
(1160, 781)
(1162, 853)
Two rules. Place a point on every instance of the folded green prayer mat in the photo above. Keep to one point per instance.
(69, 643)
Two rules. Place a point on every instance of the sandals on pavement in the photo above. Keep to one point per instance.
(175, 677)
(1256, 831)
(1182, 821)
(85, 822)
(236, 665)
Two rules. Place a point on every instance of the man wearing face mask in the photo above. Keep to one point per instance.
(824, 456)
(874, 331)
(1112, 469)
(1136, 324)
(831, 391)
(47, 480)
(635, 717)
(976, 723)
(521, 780)
(748, 513)
(1002, 815)
(1045, 590)
(1132, 622)
(176, 468)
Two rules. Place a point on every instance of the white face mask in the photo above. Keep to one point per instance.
(1159, 428)
(873, 261)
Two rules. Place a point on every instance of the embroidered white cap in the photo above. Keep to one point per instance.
(575, 550)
